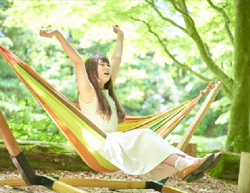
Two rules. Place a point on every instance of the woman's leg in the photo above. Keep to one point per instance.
(190, 168)
(179, 161)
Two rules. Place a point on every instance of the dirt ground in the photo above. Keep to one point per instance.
(204, 185)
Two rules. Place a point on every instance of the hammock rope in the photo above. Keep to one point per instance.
(84, 135)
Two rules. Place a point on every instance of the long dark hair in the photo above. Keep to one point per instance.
(91, 65)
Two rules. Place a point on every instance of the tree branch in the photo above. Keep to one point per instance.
(190, 29)
(204, 51)
(226, 18)
(186, 15)
(165, 18)
(184, 66)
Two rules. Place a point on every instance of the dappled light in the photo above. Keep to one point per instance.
(172, 50)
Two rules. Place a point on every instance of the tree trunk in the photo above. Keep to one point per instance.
(238, 134)
(49, 156)
(228, 166)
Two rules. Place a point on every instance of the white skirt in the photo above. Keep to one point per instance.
(139, 152)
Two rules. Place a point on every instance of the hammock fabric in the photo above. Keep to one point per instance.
(81, 132)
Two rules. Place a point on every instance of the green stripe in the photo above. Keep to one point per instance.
(90, 138)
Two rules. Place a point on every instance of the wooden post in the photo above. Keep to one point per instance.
(8, 138)
(17, 155)
(191, 149)
(23, 166)
(244, 174)
(198, 117)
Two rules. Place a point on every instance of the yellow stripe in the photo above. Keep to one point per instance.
(88, 136)
(153, 120)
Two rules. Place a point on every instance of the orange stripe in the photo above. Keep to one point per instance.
(12, 59)
(81, 149)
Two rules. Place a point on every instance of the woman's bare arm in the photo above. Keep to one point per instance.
(85, 88)
(117, 54)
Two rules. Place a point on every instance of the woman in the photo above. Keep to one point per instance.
(137, 152)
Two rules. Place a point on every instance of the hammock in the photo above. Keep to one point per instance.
(87, 138)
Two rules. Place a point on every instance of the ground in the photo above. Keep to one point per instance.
(204, 185)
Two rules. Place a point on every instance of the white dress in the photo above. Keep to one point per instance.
(136, 152)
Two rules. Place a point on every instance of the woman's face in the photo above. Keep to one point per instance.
(104, 73)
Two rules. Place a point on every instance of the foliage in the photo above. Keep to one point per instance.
(150, 80)
(30, 123)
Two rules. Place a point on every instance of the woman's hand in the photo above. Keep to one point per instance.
(48, 32)
(117, 30)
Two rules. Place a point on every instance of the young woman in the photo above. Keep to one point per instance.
(137, 152)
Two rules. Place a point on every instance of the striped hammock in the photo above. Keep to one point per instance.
(81, 132)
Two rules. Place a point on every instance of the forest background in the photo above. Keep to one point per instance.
(172, 50)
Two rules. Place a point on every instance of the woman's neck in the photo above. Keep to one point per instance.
(101, 86)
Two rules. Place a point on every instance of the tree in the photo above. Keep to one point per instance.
(159, 16)
(191, 39)
(238, 137)
(201, 22)
(237, 89)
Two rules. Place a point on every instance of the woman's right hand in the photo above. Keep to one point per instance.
(48, 32)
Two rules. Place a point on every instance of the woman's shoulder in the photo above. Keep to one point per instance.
(86, 102)
(88, 95)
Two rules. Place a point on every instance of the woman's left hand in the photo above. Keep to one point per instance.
(117, 29)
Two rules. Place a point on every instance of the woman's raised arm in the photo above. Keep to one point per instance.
(70, 51)
(85, 88)
(117, 54)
